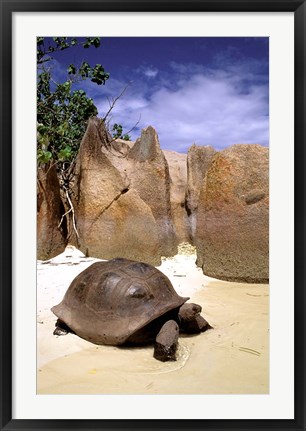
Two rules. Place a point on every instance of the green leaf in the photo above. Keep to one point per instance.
(44, 156)
(71, 69)
(62, 129)
(96, 42)
(65, 153)
(62, 113)
(41, 129)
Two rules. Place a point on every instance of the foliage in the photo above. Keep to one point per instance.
(62, 113)
(117, 133)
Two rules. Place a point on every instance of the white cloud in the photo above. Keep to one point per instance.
(208, 108)
(150, 73)
(147, 71)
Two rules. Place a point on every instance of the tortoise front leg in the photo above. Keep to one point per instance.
(190, 319)
(166, 342)
(61, 328)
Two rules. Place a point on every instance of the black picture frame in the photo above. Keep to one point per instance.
(7, 9)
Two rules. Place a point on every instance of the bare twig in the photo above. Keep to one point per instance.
(129, 131)
(113, 102)
(49, 168)
(73, 219)
(135, 125)
(73, 216)
(67, 212)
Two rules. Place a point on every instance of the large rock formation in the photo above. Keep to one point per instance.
(178, 184)
(232, 235)
(134, 200)
(112, 218)
(50, 237)
(149, 175)
(145, 169)
(198, 162)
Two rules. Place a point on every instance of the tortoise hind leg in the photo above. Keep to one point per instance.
(61, 328)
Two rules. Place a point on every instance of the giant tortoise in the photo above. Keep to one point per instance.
(121, 301)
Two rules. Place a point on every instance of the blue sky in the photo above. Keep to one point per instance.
(207, 91)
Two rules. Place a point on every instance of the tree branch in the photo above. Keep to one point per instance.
(112, 104)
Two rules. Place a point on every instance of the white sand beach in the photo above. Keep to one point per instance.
(231, 358)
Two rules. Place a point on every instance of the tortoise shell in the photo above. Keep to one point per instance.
(119, 301)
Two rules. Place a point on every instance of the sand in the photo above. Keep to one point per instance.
(231, 358)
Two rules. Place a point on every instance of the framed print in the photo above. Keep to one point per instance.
(158, 221)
